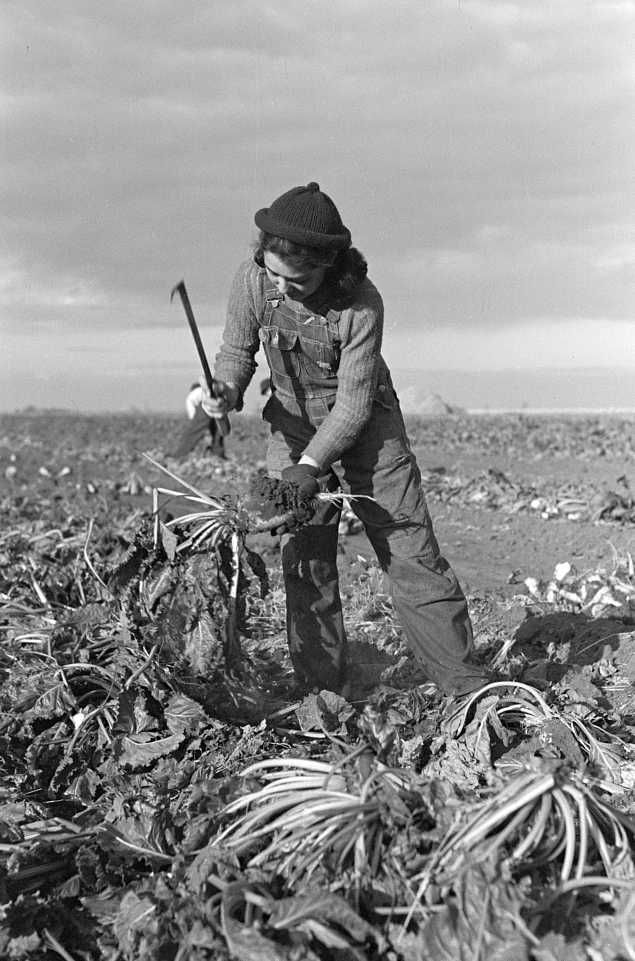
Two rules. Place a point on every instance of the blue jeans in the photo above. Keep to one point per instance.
(427, 597)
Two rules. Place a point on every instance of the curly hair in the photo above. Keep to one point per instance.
(345, 269)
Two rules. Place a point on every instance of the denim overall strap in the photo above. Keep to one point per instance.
(303, 351)
(279, 338)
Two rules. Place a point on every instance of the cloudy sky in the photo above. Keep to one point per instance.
(480, 151)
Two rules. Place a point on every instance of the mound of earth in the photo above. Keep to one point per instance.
(426, 405)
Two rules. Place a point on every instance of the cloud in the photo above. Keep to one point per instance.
(501, 275)
(480, 151)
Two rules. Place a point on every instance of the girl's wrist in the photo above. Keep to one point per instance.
(308, 460)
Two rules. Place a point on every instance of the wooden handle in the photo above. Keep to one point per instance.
(180, 289)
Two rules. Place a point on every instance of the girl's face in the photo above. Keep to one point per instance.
(296, 283)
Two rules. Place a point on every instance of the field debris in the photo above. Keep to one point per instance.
(494, 490)
(597, 592)
(162, 796)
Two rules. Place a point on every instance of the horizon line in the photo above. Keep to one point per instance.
(476, 411)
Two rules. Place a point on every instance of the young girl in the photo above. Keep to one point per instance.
(306, 299)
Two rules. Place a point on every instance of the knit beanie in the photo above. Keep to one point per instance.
(305, 216)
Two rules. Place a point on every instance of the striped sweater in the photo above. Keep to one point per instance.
(361, 366)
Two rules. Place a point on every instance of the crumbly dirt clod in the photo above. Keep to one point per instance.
(269, 497)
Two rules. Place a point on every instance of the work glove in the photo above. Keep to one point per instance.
(227, 397)
(305, 477)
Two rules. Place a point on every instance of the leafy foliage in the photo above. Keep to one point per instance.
(161, 796)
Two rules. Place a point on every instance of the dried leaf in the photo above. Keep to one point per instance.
(554, 947)
(133, 916)
(169, 540)
(333, 913)
(140, 750)
(325, 711)
(481, 922)
(245, 941)
(183, 715)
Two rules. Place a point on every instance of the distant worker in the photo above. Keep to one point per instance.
(201, 426)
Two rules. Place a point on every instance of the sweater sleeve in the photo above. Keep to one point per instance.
(356, 386)
(235, 361)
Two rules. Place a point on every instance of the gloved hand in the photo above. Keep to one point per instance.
(227, 397)
(304, 476)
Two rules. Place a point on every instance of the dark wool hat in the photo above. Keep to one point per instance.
(305, 216)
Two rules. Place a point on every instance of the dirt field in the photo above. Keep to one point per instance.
(486, 528)
(159, 798)
(487, 549)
